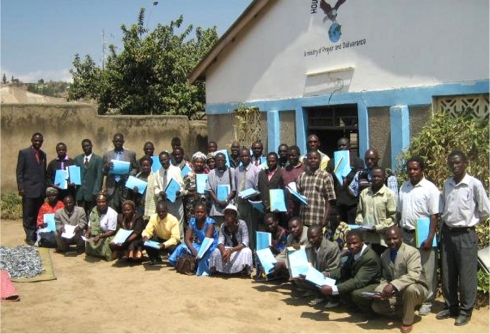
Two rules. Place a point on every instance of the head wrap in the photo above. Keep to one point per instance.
(51, 191)
(198, 156)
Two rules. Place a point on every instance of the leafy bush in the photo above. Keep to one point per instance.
(437, 139)
(11, 206)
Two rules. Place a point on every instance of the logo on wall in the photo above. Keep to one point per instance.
(335, 29)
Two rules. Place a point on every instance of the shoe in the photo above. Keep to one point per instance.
(30, 242)
(316, 301)
(406, 328)
(331, 304)
(445, 314)
(156, 261)
(308, 293)
(424, 309)
(462, 320)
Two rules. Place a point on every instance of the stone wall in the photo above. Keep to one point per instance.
(71, 123)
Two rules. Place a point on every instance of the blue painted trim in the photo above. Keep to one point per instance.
(400, 131)
(363, 128)
(273, 130)
(301, 127)
(410, 96)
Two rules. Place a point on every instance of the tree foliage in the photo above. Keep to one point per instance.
(149, 75)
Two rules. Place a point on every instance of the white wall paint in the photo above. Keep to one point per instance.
(408, 43)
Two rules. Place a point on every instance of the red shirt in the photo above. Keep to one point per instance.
(46, 208)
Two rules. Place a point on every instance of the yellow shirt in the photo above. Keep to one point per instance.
(167, 229)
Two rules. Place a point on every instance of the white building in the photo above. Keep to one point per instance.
(370, 69)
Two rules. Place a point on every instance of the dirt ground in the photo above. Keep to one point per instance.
(92, 296)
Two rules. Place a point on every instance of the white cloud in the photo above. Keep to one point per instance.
(32, 77)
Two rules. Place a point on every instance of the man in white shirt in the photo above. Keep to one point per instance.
(464, 204)
(419, 198)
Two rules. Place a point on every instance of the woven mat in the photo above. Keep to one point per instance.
(47, 275)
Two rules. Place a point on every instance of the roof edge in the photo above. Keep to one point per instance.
(228, 37)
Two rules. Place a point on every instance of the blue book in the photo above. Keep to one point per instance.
(119, 167)
(206, 244)
(121, 236)
(247, 193)
(258, 205)
(171, 190)
(152, 244)
(294, 191)
(317, 278)
(264, 240)
(222, 191)
(342, 165)
(135, 182)
(297, 261)
(267, 259)
(185, 170)
(156, 164)
(278, 201)
(422, 228)
(201, 180)
(49, 219)
(75, 175)
(60, 179)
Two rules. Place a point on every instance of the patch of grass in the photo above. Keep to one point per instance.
(11, 206)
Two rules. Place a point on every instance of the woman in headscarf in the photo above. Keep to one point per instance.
(129, 220)
(210, 162)
(233, 256)
(200, 227)
(102, 226)
(146, 202)
(193, 193)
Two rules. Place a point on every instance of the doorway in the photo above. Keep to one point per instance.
(330, 123)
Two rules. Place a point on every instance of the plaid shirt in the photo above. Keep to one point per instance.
(318, 188)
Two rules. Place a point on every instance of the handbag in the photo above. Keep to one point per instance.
(186, 264)
(47, 239)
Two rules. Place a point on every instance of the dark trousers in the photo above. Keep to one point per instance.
(459, 254)
(87, 206)
(155, 253)
(30, 208)
(348, 213)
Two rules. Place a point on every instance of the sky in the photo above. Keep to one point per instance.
(39, 38)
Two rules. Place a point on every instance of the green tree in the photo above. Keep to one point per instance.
(149, 76)
(4, 79)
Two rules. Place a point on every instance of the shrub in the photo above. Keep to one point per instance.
(11, 206)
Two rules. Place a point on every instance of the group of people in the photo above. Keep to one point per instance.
(358, 229)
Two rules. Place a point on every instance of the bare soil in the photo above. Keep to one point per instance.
(94, 296)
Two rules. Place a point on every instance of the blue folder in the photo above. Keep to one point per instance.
(156, 164)
(75, 175)
(422, 227)
(171, 190)
(222, 191)
(135, 182)
(121, 236)
(60, 179)
(278, 200)
(185, 170)
(49, 219)
(342, 165)
(119, 167)
(264, 240)
(206, 244)
(201, 180)
(267, 259)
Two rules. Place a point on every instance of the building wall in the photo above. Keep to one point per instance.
(73, 123)
(403, 58)
(286, 52)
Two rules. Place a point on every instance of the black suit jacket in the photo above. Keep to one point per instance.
(31, 175)
(265, 185)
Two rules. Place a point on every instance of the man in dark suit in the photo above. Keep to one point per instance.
(115, 184)
(31, 183)
(270, 178)
(61, 162)
(91, 174)
(361, 269)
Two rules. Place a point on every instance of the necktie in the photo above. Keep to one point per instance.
(86, 162)
(164, 182)
(257, 161)
(36, 154)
